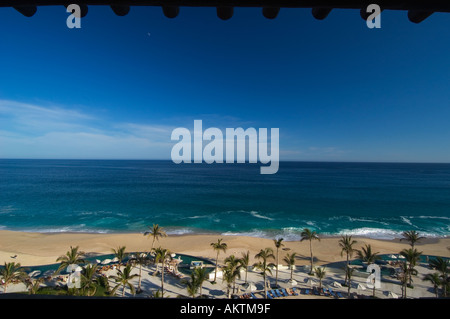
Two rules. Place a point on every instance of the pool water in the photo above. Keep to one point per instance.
(47, 270)
(184, 266)
(389, 271)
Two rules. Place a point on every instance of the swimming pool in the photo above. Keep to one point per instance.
(387, 270)
(47, 270)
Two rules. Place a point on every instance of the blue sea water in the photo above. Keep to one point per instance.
(378, 200)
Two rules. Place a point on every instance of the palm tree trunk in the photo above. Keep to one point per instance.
(217, 259)
(410, 274)
(123, 290)
(346, 270)
(162, 281)
(140, 277)
(310, 249)
(276, 274)
(265, 285)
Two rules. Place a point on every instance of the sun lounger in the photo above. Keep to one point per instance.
(269, 295)
(253, 296)
(307, 292)
(274, 293)
(316, 292)
(338, 293)
(325, 292)
(294, 291)
(279, 293)
(331, 292)
(284, 292)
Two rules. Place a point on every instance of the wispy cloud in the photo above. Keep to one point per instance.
(36, 131)
(29, 118)
(46, 131)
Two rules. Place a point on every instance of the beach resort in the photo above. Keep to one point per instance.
(154, 265)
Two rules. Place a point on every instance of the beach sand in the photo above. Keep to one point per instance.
(44, 248)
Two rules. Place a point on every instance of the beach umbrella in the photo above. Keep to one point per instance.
(249, 287)
(311, 282)
(393, 295)
(337, 284)
(34, 273)
(98, 261)
(71, 268)
(115, 260)
(106, 261)
(292, 282)
(392, 256)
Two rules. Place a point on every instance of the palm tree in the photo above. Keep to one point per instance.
(349, 274)
(11, 272)
(290, 260)
(320, 273)
(33, 285)
(139, 259)
(88, 280)
(162, 255)
(366, 254)
(200, 275)
(435, 279)
(278, 245)
(264, 255)
(412, 256)
(72, 257)
(192, 285)
(157, 294)
(103, 282)
(307, 234)
(405, 274)
(245, 262)
(346, 243)
(443, 266)
(123, 278)
(156, 232)
(412, 236)
(218, 246)
(120, 254)
(233, 265)
(228, 277)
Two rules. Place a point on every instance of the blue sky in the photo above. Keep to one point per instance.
(117, 87)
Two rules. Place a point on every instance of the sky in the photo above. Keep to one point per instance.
(117, 87)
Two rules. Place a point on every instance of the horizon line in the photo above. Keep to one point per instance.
(169, 160)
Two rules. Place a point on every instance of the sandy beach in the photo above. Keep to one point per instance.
(43, 248)
(32, 249)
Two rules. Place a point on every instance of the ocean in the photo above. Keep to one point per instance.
(378, 200)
